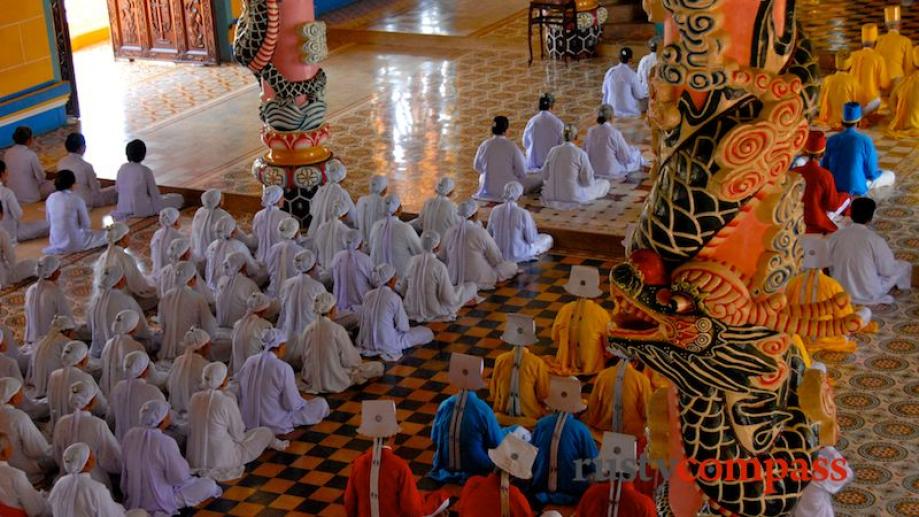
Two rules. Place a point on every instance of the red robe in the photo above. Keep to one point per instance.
(632, 503)
(399, 496)
(481, 497)
(820, 197)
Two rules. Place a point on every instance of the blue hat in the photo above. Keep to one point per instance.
(851, 112)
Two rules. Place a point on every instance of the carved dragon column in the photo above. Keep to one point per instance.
(283, 45)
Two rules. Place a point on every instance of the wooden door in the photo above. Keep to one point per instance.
(169, 30)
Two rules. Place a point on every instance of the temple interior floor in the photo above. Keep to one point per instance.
(413, 95)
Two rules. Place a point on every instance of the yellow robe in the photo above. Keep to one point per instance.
(534, 387)
(904, 105)
(897, 51)
(579, 332)
(870, 69)
(837, 89)
(813, 286)
(636, 392)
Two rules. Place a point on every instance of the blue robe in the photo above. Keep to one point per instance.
(479, 431)
(574, 444)
(853, 160)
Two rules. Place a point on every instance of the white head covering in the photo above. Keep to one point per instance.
(378, 184)
(196, 338)
(111, 275)
(81, 394)
(565, 395)
(47, 266)
(512, 191)
(168, 216)
(514, 456)
(584, 282)
(288, 227)
(335, 171)
(324, 303)
(135, 363)
(116, 232)
(520, 330)
(9, 386)
(257, 301)
(816, 251)
(430, 240)
(75, 458)
(213, 375)
(378, 419)
(340, 208)
(153, 412)
(353, 239)
(272, 338)
(381, 274)
(125, 321)
(466, 371)
(177, 248)
(444, 186)
(224, 227)
(233, 263)
(271, 195)
(74, 352)
(305, 261)
(391, 204)
(467, 209)
(63, 322)
(211, 198)
(184, 272)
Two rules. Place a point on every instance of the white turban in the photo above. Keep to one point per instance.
(81, 394)
(9, 386)
(512, 191)
(211, 198)
(429, 240)
(233, 263)
(184, 271)
(125, 321)
(391, 204)
(213, 375)
(177, 248)
(111, 275)
(168, 216)
(324, 303)
(196, 338)
(153, 412)
(257, 301)
(116, 232)
(335, 171)
(467, 209)
(63, 322)
(288, 227)
(272, 338)
(74, 352)
(305, 261)
(135, 363)
(47, 266)
(381, 274)
(271, 195)
(445, 186)
(378, 184)
(225, 227)
(340, 208)
(353, 239)
(75, 458)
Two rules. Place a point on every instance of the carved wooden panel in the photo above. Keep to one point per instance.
(171, 30)
(65, 54)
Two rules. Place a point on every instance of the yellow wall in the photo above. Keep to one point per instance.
(88, 21)
(25, 54)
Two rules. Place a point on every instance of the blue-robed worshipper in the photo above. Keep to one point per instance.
(564, 444)
(852, 157)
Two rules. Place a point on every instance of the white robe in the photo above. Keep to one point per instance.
(232, 294)
(515, 233)
(297, 297)
(102, 311)
(219, 250)
(9, 367)
(138, 195)
(202, 230)
(71, 229)
(322, 206)
(568, 179)
(159, 249)
(79, 495)
(280, 262)
(473, 256)
(610, 155)
(861, 261)
(265, 228)
(429, 295)
(384, 328)
(329, 238)
(644, 69)
(168, 281)
(498, 162)
(623, 91)
(542, 133)
(218, 444)
(246, 339)
(25, 175)
(137, 283)
(59, 392)
(394, 242)
(269, 396)
(11, 270)
(11, 219)
(31, 451)
(331, 363)
(817, 498)
(185, 379)
(128, 396)
(46, 357)
(16, 492)
(87, 186)
(369, 210)
(181, 309)
(82, 426)
(437, 215)
(44, 300)
(113, 354)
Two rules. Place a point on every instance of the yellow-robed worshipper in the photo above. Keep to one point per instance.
(870, 69)
(520, 380)
(619, 400)
(895, 48)
(837, 90)
(580, 327)
(904, 103)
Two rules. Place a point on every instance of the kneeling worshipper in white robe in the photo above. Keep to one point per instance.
(44, 299)
(82, 426)
(225, 245)
(10, 349)
(622, 89)
(568, 178)
(117, 252)
(542, 133)
(138, 194)
(514, 229)
(156, 478)
(12, 271)
(323, 204)
(609, 154)
(180, 251)
(384, 328)
(499, 160)
(108, 300)
(46, 354)
(31, 451)
(329, 238)
(117, 348)
(131, 393)
(370, 208)
(265, 222)
(162, 239)
(331, 364)
(76, 493)
(351, 270)
(74, 359)
(472, 255)
(297, 295)
(248, 329)
(11, 215)
(185, 375)
(429, 295)
(87, 185)
(862, 262)
(393, 241)
(204, 224)
(439, 212)
(280, 258)
(181, 309)
(219, 446)
(70, 228)
(17, 496)
(233, 291)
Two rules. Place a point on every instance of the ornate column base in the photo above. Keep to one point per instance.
(580, 42)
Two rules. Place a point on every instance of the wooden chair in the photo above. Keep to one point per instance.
(548, 13)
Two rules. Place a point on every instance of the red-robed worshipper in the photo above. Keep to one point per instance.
(622, 499)
(820, 195)
(493, 495)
